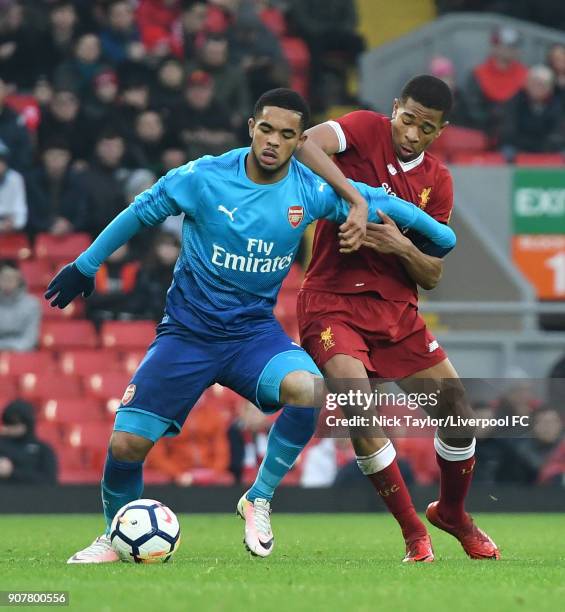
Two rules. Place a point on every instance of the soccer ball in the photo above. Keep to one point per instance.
(145, 531)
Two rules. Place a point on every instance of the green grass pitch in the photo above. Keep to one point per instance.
(347, 562)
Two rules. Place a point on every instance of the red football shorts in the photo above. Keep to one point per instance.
(390, 338)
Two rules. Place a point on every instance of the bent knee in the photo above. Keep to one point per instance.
(129, 447)
(298, 388)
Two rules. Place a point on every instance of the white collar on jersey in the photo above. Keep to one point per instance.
(406, 166)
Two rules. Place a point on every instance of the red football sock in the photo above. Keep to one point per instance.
(455, 481)
(390, 485)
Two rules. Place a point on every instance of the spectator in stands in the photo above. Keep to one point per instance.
(120, 38)
(523, 459)
(150, 140)
(104, 179)
(174, 154)
(24, 459)
(115, 282)
(329, 27)
(229, 81)
(168, 91)
(257, 51)
(556, 61)
(78, 73)
(199, 452)
(496, 81)
(56, 196)
(489, 448)
(100, 105)
(202, 123)
(553, 470)
(63, 31)
(193, 25)
(444, 69)
(13, 200)
(63, 119)
(14, 134)
(534, 118)
(18, 65)
(156, 20)
(20, 312)
(133, 99)
(155, 275)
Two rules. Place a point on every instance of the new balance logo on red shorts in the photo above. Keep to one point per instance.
(433, 346)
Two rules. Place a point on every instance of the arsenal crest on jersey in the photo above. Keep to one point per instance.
(295, 215)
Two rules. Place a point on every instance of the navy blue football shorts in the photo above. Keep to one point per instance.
(180, 365)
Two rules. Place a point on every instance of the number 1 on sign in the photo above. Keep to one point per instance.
(557, 264)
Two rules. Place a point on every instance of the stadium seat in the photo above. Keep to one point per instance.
(44, 385)
(127, 335)
(106, 385)
(49, 432)
(89, 361)
(131, 360)
(479, 158)
(71, 411)
(61, 249)
(286, 304)
(8, 390)
(75, 310)
(154, 477)
(89, 435)
(60, 335)
(25, 363)
(14, 246)
(297, 55)
(294, 279)
(540, 159)
(459, 140)
(37, 273)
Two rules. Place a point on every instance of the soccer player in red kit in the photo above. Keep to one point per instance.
(358, 312)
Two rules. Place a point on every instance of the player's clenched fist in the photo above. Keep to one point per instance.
(67, 284)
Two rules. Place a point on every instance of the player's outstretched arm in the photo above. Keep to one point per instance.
(78, 277)
(440, 239)
(149, 208)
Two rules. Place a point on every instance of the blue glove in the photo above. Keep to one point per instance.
(68, 283)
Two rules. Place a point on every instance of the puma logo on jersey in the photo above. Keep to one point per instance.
(393, 171)
(229, 213)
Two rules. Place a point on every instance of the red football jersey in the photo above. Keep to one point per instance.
(367, 155)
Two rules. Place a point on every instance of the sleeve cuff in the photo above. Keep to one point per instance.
(336, 127)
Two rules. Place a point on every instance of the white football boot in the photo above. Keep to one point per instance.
(258, 538)
(100, 551)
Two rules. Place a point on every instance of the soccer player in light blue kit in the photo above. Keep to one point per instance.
(245, 213)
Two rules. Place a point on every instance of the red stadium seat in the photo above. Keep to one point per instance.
(127, 335)
(458, 140)
(14, 246)
(61, 249)
(8, 390)
(25, 363)
(286, 304)
(480, 158)
(89, 361)
(540, 159)
(75, 310)
(60, 335)
(45, 385)
(154, 477)
(71, 411)
(70, 476)
(131, 361)
(294, 279)
(37, 273)
(88, 435)
(106, 385)
(49, 432)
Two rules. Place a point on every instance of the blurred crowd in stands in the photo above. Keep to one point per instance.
(97, 100)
